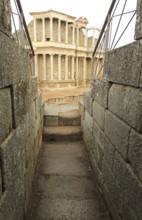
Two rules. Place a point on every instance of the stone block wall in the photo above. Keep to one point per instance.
(20, 127)
(112, 128)
(112, 135)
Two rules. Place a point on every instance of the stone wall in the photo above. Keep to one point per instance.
(112, 126)
(20, 127)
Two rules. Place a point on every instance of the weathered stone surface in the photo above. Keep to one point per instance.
(112, 186)
(123, 65)
(33, 88)
(81, 108)
(51, 120)
(21, 101)
(135, 153)
(99, 114)
(128, 212)
(104, 144)
(129, 184)
(117, 132)
(88, 102)
(5, 18)
(38, 104)
(9, 159)
(99, 91)
(31, 116)
(88, 121)
(126, 103)
(110, 204)
(5, 113)
(0, 183)
(14, 64)
(138, 26)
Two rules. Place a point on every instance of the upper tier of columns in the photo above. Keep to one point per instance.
(75, 29)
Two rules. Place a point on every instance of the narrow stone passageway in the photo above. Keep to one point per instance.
(64, 186)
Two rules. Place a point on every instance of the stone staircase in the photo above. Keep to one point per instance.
(64, 187)
(62, 122)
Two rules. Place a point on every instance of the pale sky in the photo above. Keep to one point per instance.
(94, 10)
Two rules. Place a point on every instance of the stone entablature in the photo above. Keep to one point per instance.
(63, 48)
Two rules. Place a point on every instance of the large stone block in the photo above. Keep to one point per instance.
(99, 91)
(104, 144)
(135, 153)
(14, 62)
(88, 103)
(123, 65)
(5, 113)
(126, 103)
(12, 153)
(114, 190)
(129, 184)
(21, 101)
(117, 132)
(97, 172)
(5, 17)
(138, 26)
(99, 114)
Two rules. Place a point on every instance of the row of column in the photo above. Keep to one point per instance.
(73, 68)
(59, 32)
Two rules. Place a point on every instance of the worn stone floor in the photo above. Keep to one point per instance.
(64, 187)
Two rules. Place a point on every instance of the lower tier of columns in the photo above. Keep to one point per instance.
(62, 69)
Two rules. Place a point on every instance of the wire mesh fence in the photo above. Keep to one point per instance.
(118, 30)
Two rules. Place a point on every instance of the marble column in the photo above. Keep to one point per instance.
(35, 38)
(59, 30)
(84, 71)
(73, 34)
(66, 32)
(51, 66)
(59, 67)
(93, 38)
(43, 29)
(36, 64)
(86, 38)
(72, 70)
(76, 77)
(77, 36)
(44, 66)
(51, 29)
(66, 68)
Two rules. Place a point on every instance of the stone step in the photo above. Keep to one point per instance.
(62, 133)
(71, 118)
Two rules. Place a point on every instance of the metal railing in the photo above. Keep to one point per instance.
(112, 33)
(19, 31)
